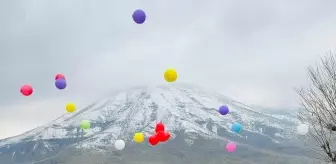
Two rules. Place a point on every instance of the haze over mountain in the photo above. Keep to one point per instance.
(199, 132)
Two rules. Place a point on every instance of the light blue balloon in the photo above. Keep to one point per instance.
(237, 128)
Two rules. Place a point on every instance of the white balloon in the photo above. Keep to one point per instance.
(302, 129)
(119, 144)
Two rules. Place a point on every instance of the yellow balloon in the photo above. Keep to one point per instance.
(70, 107)
(138, 137)
(170, 75)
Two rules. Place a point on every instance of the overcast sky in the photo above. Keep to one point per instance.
(253, 51)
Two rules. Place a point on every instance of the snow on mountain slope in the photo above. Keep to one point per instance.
(179, 107)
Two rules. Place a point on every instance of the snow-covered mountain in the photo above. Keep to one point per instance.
(181, 108)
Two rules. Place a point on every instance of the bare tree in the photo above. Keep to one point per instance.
(318, 102)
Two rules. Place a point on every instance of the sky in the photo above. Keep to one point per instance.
(253, 51)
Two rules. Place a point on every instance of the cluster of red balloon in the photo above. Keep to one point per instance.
(160, 135)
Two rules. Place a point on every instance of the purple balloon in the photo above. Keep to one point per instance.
(139, 16)
(223, 110)
(60, 83)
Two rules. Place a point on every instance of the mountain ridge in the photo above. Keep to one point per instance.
(186, 111)
(100, 104)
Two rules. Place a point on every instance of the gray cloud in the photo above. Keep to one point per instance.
(254, 51)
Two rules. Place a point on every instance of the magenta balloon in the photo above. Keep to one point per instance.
(231, 147)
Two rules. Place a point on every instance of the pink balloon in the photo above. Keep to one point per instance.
(26, 90)
(59, 76)
(231, 147)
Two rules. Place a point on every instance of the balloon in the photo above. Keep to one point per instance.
(138, 137)
(236, 128)
(85, 124)
(223, 110)
(159, 127)
(153, 140)
(59, 76)
(26, 90)
(166, 136)
(70, 107)
(160, 136)
(119, 144)
(231, 147)
(139, 16)
(302, 129)
(170, 75)
(60, 83)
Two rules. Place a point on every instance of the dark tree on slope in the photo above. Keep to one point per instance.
(318, 103)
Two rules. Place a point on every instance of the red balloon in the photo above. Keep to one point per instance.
(26, 90)
(160, 135)
(159, 127)
(153, 140)
(166, 136)
(60, 76)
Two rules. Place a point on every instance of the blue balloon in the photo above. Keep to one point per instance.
(237, 128)
(60, 83)
(139, 16)
(223, 110)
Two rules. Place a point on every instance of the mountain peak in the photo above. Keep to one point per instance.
(181, 107)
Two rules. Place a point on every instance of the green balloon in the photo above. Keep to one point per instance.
(85, 124)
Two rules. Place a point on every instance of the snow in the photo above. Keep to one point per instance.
(178, 107)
